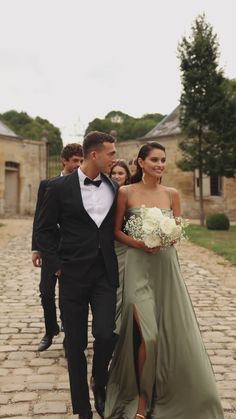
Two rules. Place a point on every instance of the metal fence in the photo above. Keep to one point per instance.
(54, 166)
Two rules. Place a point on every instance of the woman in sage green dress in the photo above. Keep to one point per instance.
(160, 368)
(121, 174)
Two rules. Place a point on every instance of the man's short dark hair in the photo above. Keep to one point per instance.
(73, 149)
(94, 141)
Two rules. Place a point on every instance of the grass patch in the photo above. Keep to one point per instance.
(221, 242)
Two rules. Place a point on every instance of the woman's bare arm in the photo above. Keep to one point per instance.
(120, 214)
(176, 208)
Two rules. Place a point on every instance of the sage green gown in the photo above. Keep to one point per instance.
(177, 378)
(120, 250)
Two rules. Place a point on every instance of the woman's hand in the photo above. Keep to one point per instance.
(141, 245)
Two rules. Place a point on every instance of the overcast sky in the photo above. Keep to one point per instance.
(70, 61)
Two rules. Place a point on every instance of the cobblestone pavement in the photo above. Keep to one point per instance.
(35, 384)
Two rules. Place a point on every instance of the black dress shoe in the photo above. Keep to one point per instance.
(46, 341)
(88, 415)
(99, 397)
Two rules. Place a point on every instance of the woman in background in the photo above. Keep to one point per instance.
(121, 174)
(132, 166)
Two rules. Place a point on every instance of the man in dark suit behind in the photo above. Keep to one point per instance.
(71, 158)
(83, 204)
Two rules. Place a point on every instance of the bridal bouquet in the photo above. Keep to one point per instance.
(155, 228)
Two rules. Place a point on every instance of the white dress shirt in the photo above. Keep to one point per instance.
(96, 200)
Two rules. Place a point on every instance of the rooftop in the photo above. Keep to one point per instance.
(168, 126)
(4, 130)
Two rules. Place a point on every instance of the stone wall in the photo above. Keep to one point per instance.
(29, 161)
(184, 182)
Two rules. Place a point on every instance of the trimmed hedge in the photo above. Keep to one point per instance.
(217, 222)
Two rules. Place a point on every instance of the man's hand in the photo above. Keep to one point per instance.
(37, 259)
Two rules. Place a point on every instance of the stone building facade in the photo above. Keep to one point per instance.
(23, 164)
(219, 192)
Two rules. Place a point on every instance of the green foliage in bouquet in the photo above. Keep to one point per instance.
(217, 222)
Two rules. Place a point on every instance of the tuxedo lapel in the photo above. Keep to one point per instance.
(77, 198)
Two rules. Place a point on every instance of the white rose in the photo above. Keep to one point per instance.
(149, 225)
(167, 225)
(151, 219)
(152, 240)
(154, 212)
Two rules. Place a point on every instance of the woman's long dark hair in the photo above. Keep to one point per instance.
(123, 164)
(143, 153)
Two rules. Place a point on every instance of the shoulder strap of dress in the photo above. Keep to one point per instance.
(128, 192)
(170, 197)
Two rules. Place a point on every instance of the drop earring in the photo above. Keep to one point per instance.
(143, 177)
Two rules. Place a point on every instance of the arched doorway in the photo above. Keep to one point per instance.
(11, 187)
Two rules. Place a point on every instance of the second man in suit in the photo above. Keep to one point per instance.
(71, 158)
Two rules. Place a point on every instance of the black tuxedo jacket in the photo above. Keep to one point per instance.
(80, 238)
(41, 192)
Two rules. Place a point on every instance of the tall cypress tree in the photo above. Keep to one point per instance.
(203, 103)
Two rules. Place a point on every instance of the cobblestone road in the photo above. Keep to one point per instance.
(36, 384)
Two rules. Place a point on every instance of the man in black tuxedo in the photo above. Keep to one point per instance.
(83, 204)
(71, 158)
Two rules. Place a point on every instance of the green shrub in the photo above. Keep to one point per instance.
(217, 222)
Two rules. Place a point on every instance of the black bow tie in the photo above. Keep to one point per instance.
(88, 181)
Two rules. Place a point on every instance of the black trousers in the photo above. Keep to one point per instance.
(76, 295)
(47, 293)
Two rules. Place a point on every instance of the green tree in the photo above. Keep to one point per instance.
(221, 135)
(126, 126)
(204, 101)
(33, 128)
